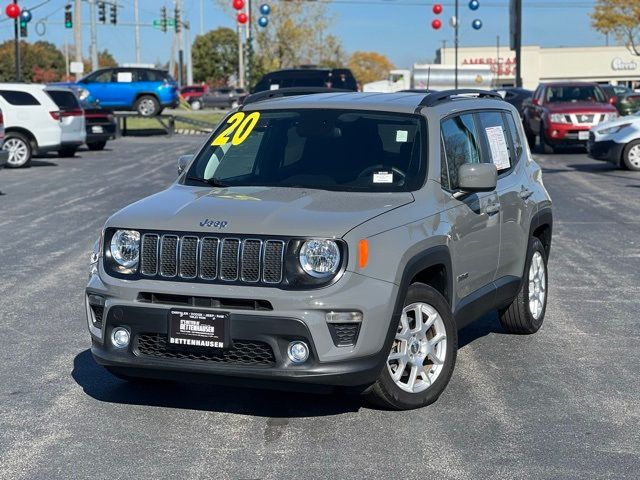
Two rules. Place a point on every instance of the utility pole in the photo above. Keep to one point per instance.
(515, 36)
(249, 44)
(498, 62)
(455, 41)
(201, 18)
(77, 31)
(178, 30)
(240, 58)
(16, 45)
(136, 14)
(94, 39)
(187, 27)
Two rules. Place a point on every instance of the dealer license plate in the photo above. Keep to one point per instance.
(97, 129)
(584, 135)
(192, 328)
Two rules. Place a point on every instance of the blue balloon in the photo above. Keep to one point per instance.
(263, 21)
(25, 16)
(477, 24)
(265, 9)
(474, 4)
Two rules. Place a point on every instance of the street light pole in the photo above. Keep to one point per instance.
(94, 41)
(137, 19)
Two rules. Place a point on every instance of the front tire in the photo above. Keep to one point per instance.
(631, 156)
(526, 313)
(196, 105)
(20, 151)
(147, 106)
(546, 147)
(423, 353)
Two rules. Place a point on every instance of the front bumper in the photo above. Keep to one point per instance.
(296, 315)
(606, 150)
(263, 333)
(566, 134)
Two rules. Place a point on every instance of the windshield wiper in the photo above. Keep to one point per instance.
(213, 182)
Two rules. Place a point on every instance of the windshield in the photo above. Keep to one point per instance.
(343, 150)
(575, 93)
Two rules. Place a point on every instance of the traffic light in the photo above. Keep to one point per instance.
(68, 17)
(102, 13)
(163, 19)
(178, 24)
(113, 14)
(23, 30)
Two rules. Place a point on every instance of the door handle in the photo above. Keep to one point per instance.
(492, 209)
(525, 193)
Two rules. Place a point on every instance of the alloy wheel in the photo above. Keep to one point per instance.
(147, 107)
(537, 285)
(18, 151)
(419, 348)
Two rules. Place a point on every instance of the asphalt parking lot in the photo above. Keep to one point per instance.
(561, 404)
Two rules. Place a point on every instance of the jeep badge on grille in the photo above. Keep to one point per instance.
(214, 223)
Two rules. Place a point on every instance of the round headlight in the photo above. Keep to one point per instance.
(320, 258)
(83, 93)
(125, 248)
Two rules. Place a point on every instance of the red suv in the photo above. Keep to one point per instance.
(561, 113)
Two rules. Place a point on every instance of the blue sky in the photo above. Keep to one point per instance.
(400, 29)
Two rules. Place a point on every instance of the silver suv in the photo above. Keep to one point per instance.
(333, 239)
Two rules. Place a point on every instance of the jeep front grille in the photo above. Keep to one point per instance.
(209, 259)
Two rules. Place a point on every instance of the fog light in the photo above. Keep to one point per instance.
(120, 337)
(298, 352)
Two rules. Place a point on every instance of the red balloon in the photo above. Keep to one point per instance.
(436, 24)
(242, 18)
(238, 4)
(437, 9)
(12, 10)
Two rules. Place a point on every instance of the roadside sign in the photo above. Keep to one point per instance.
(171, 22)
(76, 67)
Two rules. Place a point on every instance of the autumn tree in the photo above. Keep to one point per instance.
(621, 19)
(40, 62)
(369, 66)
(215, 56)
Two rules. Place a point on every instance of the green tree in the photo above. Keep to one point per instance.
(215, 56)
(40, 61)
(369, 66)
(621, 19)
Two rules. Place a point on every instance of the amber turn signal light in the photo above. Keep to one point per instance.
(363, 253)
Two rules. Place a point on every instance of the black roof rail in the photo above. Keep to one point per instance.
(289, 92)
(438, 97)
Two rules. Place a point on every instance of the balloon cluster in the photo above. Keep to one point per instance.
(436, 23)
(12, 10)
(243, 18)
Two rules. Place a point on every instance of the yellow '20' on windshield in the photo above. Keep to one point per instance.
(240, 125)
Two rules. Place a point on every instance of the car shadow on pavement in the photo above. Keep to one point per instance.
(102, 386)
(482, 327)
(43, 163)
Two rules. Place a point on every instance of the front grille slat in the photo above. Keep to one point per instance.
(229, 259)
(169, 256)
(192, 256)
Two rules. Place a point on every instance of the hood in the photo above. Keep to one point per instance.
(634, 119)
(580, 107)
(257, 210)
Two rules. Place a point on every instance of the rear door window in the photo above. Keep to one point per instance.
(495, 135)
(19, 98)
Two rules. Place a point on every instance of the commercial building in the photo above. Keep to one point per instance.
(614, 64)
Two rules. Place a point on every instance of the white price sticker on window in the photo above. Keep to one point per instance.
(498, 147)
(125, 77)
(402, 136)
(383, 177)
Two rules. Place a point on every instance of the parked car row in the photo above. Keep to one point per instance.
(39, 119)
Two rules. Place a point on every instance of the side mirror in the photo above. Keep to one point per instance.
(536, 101)
(183, 162)
(477, 177)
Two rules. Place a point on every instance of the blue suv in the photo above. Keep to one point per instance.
(145, 90)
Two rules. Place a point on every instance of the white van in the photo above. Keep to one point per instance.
(31, 121)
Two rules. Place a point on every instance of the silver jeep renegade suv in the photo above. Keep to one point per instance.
(332, 239)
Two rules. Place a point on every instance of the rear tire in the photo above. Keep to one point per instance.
(526, 314)
(631, 156)
(67, 152)
(95, 146)
(531, 138)
(421, 360)
(20, 150)
(147, 106)
(196, 105)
